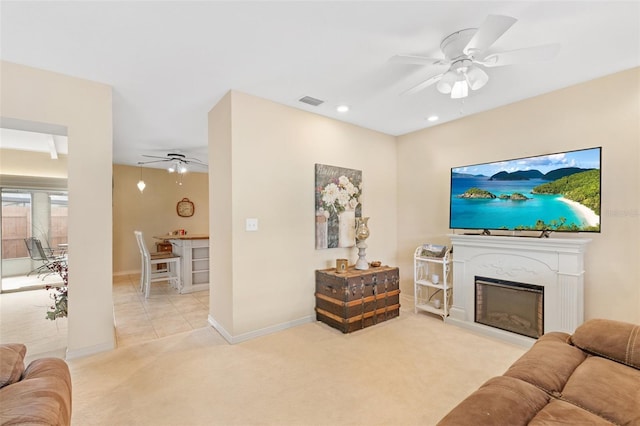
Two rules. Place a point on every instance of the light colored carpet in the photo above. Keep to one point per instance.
(408, 371)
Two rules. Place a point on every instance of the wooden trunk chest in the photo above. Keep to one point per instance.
(357, 299)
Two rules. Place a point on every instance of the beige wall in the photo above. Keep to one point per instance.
(273, 150)
(25, 163)
(154, 210)
(84, 108)
(604, 112)
(265, 154)
(220, 217)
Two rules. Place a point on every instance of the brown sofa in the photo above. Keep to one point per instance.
(589, 378)
(37, 395)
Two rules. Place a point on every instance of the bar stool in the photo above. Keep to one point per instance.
(170, 272)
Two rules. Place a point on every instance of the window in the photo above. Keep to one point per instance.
(16, 223)
(59, 215)
(32, 213)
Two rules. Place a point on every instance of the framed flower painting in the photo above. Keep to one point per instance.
(337, 197)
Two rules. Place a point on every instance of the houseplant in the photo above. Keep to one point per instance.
(59, 292)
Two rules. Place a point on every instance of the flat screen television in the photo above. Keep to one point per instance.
(551, 192)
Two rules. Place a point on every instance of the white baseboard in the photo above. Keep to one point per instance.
(213, 323)
(257, 333)
(91, 350)
(121, 273)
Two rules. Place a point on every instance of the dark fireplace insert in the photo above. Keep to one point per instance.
(511, 306)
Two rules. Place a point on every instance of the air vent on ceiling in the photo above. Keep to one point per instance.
(311, 101)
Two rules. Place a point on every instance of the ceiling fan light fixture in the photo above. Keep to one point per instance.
(476, 77)
(445, 85)
(182, 169)
(460, 90)
(466, 53)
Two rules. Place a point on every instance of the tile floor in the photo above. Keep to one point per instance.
(165, 312)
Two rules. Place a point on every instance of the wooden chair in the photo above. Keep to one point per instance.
(148, 274)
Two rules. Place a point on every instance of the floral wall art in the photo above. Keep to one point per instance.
(337, 198)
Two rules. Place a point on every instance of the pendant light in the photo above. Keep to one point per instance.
(141, 184)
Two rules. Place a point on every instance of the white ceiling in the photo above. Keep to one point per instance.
(170, 62)
(33, 141)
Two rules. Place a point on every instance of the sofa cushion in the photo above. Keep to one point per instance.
(11, 363)
(548, 364)
(615, 340)
(605, 387)
(560, 412)
(500, 401)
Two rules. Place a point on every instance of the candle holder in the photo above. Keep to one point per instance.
(362, 233)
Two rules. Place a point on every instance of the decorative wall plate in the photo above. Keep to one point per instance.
(185, 208)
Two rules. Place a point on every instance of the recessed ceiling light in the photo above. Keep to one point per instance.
(342, 108)
(433, 118)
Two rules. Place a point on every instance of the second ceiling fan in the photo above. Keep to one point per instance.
(465, 53)
(176, 162)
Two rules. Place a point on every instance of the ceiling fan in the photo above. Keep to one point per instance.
(177, 162)
(465, 55)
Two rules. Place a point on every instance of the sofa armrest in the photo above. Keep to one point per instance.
(615, 340)
(43, 396)
(48, 367)
(500, 401)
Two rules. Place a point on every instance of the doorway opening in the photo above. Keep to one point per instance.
(35, 204)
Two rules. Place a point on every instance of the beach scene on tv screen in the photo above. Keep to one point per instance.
(557, 192)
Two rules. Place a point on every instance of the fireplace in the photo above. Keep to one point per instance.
(510, 306)
(555, 265)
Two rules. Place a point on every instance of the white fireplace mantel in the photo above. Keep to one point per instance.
(557, 264)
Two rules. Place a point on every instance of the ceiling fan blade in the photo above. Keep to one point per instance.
(197, 163)
(416, 60)
(193, 159)
(423, 85)
(156, 156)
(491, 29)
(151, 162)
(526, 55)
